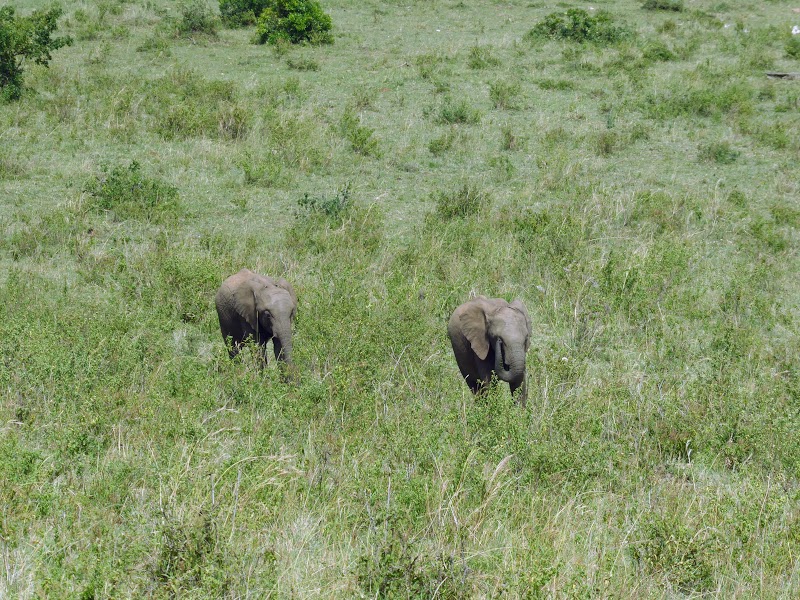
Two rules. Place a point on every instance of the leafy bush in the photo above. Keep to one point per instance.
(719, 152)
(360, 136)
(197, 17)
(25, 38)
(793, 47)
(330, 206)
(578, 25)
(238, 13)
(458, 112)
(673, 5)
(294, 20)
(657, 51)
(128, 194)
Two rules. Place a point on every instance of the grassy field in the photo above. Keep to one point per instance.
(639, 193)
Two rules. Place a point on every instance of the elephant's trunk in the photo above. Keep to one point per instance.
(509, 363)
(282, 341)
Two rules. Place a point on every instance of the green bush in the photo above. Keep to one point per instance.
(462, 202)
(294, 20)
(458, 112)
(578, 25)
(673, 5)
(719, 152)
(503, 94)
(197, 17)
(482, 57)
(793, 47)
(25, 39)
(128, 194)
(361, 137)
(335, 206)
(238, 13)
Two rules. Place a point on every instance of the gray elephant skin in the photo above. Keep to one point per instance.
(254, 306)
(491, 336)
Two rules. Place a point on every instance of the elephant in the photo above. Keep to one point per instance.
(489, 335)
(250, 305)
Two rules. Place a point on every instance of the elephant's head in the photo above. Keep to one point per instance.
(276, 306)
(501, 333)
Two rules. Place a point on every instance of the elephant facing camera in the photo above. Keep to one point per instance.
(258, 308)
(491, 337)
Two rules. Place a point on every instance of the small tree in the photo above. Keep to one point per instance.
(25, 38)
(294, 21)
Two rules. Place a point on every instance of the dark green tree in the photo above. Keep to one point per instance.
(294, 21)
(25, 39)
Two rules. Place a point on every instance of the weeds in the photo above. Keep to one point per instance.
(335, 206)
(719, 152)
(577, 25)
(197, 17)
(465, 201)
(503, 94)
(482, 57)
(669, 5)
(361, 137)
(126, 193)
(792, 47)
(458, 112)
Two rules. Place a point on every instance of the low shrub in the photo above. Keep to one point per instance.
(361, 137)
(441, 144)
(504, 94)
(460, 111)
(127, 193)
(465, 201)
(238, 13)
(25, 39)
(657, 51)
(577, 25)
(719, 152)
(792, 47)
(196, 17)
(673, 5)
(481, 57)
(302, 64)
(334, 225)
(294, 20)
(335, 206)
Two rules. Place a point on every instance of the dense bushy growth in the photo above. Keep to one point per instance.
(25, 38)
(294, 21)
(127, 193)
(578, 25)
(238, 13)
(673, 5)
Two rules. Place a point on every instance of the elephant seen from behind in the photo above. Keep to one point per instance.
(491, 336)
(254, 306)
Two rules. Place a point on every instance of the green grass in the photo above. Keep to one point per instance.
(638, 194)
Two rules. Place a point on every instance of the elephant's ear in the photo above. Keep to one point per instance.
(473, 326)
(282, 283)
(518, 305)
(244, 301)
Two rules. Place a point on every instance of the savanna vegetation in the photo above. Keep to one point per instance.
(628, 171)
